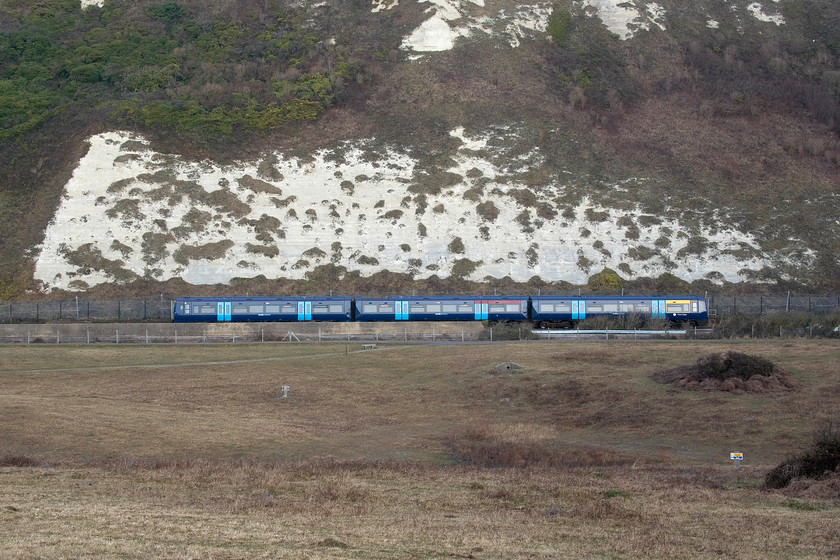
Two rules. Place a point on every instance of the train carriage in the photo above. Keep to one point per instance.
(567, 310)
(282, 309)
(442, 308)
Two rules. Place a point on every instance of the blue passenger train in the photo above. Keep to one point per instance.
(541, 310)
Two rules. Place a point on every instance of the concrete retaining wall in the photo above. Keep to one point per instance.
(83, 333)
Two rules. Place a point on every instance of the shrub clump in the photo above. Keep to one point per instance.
(820, 461)
(733, 364)
(733, 372)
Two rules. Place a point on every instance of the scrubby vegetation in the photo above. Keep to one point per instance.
(821, 459)
(734, 372)
(734, 123)
(167, 64)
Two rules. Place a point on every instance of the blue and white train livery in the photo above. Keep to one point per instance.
(542, 310)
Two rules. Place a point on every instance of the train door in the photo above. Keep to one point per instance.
(482, 310)
(223, 311)
(578, 309)
(657, 308)
(401, 311)
(304, 310)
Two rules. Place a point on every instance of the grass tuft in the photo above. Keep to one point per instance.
(17, 461)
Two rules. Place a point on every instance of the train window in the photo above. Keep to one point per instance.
(336, 308)
(289, 309)
(512, 307)
(418, 308)
(450, 308)
(694, 307)
(593, 307)
(433, 307)
(255, 309)
(611, 307)
(563, 306)
(370, 308)
(497, 309)
(677, 308)
(240, 310)
(320, 308)
(272, 309)
(546, 307)
(205, 309)
(465, 308)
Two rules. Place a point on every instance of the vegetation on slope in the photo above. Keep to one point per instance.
(737, 122)
(167, 65)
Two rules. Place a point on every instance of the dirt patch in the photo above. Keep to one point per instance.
(732, 372)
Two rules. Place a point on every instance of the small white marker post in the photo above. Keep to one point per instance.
(285, 389)
(736, 458)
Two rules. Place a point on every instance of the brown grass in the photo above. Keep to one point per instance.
(191, 452)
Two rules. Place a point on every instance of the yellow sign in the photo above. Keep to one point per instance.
(736, 456)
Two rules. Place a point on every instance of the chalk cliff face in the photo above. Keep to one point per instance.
(130, 212)
(495, 205)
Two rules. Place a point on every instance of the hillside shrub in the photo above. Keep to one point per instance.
(821, 458)
(733, 364)
(559, 25)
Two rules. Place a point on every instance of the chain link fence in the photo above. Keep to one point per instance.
(154, 310)
(760, 305)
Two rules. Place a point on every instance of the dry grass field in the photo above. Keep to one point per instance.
(406, 452)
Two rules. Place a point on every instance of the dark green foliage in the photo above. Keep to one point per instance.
(733, 364)
(165, 66)
(168, 11)
(822, 457)
(559, 24)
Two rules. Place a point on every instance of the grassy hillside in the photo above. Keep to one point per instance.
(734, 122)
(406, 452)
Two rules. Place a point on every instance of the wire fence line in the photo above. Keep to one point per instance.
(159, 309)
(761, 305)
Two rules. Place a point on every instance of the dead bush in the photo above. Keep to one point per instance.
(820, 460)
(732, 372)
